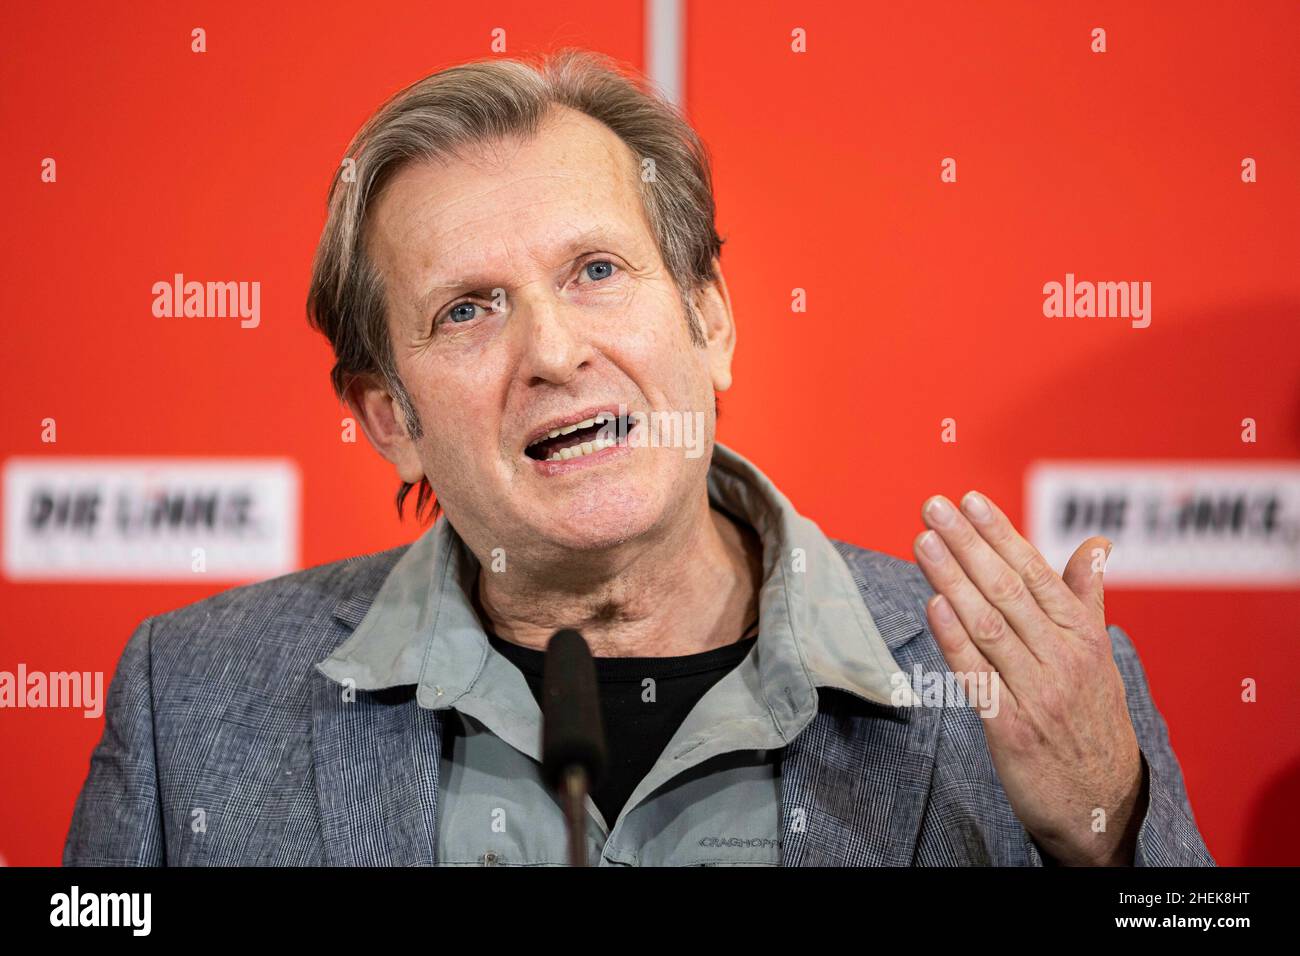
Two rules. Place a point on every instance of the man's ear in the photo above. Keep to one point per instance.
(381, 418)
(713, 308)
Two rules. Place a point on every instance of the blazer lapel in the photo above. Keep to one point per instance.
(376, 757)
(854, 784)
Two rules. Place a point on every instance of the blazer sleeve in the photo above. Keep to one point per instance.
(1168, 835)
(117, 820)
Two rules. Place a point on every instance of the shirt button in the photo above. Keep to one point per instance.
(489, 858)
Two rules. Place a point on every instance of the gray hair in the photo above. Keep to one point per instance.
(477, 103)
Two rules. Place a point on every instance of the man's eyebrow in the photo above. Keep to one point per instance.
(596, 237)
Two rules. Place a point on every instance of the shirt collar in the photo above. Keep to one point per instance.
(814, 628)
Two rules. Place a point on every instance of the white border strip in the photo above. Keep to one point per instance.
(665, 46)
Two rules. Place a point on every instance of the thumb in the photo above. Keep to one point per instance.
(1085, 569)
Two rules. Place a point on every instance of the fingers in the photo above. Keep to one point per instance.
(1050, 592)
(996, 583)
(1083, 573)
(984, 623)
(964, 657)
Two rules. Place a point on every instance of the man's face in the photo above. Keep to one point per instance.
(552, 229)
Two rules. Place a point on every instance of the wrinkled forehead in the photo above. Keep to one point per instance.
(514, 195)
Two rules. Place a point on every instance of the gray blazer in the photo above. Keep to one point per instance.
(223, 745)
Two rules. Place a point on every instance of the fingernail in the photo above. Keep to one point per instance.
(976, 506)
(940, 512)
(931, 545)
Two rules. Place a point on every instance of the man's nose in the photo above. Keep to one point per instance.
(554, 344)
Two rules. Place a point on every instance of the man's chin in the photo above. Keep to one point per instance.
(597, 522)
(594, 532)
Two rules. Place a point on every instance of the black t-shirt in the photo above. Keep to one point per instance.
(637, 729)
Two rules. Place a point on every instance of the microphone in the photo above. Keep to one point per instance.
(573, 736)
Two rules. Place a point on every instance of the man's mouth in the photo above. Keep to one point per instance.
(580, 438)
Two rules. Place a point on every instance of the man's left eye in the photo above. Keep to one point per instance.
(462, 312)
(599, 269)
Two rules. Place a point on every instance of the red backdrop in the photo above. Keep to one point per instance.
(924, 298)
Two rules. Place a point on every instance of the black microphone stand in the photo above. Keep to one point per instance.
(573, 736)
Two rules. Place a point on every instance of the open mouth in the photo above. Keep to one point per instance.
(586, 437)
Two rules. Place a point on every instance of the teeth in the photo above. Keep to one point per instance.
(586, 423)
(586, 448)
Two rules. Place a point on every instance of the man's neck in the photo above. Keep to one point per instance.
(692, 591)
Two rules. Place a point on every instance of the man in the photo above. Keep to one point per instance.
(520, 279)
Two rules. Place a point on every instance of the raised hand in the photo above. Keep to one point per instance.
(1060, 738)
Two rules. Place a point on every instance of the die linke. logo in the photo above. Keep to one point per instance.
(150, 518)
(1192, 524)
